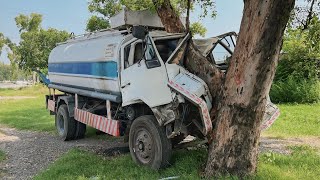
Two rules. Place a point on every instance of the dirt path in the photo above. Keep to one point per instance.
(28, 152)
(280, 145)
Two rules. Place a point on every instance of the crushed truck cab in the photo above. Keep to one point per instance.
(129, 82)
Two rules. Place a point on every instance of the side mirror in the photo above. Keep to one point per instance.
(139, 32)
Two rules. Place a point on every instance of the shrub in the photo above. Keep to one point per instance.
(298, 91)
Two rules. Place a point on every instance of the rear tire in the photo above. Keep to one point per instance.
(65, 125)
(80, 130)
(148, 143)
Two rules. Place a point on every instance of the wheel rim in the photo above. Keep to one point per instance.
(60, 124)
(143, 145)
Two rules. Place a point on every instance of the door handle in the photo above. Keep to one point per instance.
(127, 84)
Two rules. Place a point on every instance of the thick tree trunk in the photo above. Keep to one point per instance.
(248, 81)
(240, 97)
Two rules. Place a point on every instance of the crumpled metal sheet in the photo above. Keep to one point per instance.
(205, 45)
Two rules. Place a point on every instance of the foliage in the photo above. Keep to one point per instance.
(295, 91)
(197, 28)
(28, 23)
(298, 71)
(5, 72)
(3, 41)
(303, 13)
(102, 11)
(97, 23)
(11, 73)
(36, 43)
(301, 54)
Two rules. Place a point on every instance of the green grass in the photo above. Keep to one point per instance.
(30, 114)
(296, 120)
(37, 90)
(303, 163)
(79, 164)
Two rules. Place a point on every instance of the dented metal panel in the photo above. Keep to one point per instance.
(183, 85)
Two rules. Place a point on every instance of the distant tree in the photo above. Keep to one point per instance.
(301, 53)
(5, 72)
(96, 23)
(3, 41)
(103, 10)
(36, 43)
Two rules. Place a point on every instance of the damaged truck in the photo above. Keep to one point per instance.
(125, 81)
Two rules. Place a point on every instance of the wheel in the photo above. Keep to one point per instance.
(65, 125)
(148, 143)
(80, 130)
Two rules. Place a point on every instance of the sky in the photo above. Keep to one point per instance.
(72, 15)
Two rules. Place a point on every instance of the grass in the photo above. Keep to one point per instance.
(30, 113)
(296, 120)
(303, 163)
(37, 90)
(78, 164)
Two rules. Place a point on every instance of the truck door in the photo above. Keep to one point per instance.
(143, 75)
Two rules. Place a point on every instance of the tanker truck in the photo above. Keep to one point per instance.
(126, 81)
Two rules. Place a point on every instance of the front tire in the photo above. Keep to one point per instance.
(148, 143)
(65, 125)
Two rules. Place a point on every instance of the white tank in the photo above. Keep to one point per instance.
(89, 62)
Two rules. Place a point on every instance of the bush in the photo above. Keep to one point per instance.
(298, 91)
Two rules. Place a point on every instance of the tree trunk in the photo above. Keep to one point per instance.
(248, 81)
(240, 97)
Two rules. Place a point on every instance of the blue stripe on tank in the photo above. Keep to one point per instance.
(104, 69)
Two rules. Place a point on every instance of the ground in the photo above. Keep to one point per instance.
(29, 146)
(29, 152)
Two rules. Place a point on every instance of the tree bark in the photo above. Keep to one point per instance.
(248, 81)
(240, 96)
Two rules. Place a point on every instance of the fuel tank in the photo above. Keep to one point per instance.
(89, 62)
